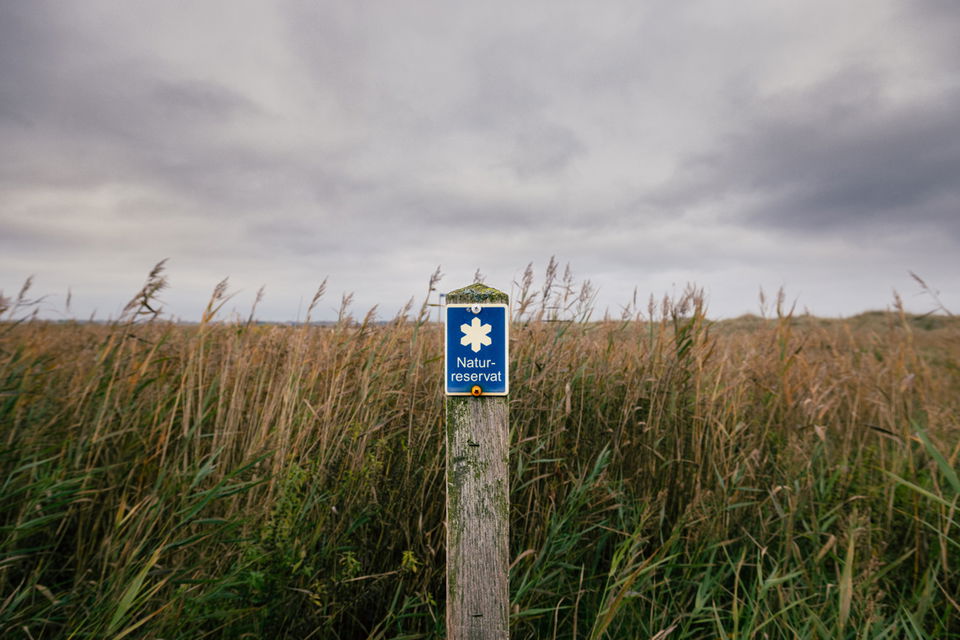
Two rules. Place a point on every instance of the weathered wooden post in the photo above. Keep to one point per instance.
(477, 381)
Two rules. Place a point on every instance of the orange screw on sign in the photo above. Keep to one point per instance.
(476, 390)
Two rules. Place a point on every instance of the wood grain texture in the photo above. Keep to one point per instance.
(478, 497)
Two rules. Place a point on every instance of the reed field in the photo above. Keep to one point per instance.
(773, 476)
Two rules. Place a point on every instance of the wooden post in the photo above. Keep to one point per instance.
(478, 598)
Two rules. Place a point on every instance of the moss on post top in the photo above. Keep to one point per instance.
(477, 293)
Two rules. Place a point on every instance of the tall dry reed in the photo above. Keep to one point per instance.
(780, 476)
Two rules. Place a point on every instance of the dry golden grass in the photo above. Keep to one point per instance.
(788, 476)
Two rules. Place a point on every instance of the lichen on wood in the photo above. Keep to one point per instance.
(478, 293)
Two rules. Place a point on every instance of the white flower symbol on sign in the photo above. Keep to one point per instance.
(475, 334)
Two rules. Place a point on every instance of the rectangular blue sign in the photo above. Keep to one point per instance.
(477, 350)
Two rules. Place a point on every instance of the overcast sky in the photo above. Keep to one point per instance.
(808, 144)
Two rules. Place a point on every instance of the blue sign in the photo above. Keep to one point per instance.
(476, 352)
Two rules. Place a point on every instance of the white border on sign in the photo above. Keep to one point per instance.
(506, 350)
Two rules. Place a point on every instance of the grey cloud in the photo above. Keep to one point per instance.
(298, 238)
(74, 113)
(396, 137)
(546, 150)
(194, 99)
(832, 158)
(30, 61)
(936, 24)
(40, 238)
